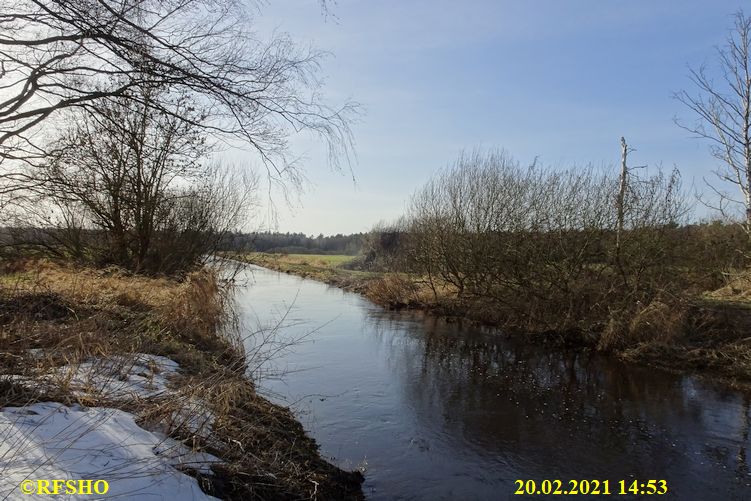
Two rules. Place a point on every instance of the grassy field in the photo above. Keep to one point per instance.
(322, 267)
(316, 260)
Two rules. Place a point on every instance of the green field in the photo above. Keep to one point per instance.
(313, 259)
(322, 267)
(295, 261)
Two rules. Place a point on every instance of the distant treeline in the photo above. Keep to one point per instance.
(294, 243)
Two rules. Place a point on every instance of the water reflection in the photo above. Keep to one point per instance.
(570, 415)
(443, 410)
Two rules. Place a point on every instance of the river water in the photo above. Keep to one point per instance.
(436, 410)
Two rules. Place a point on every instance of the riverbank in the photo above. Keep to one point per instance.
(323, 268)
(704, 333)
(115, 354)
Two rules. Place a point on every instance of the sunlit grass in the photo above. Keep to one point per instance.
(297, 262)
(316, 259)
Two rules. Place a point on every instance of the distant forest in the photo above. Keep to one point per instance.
(294, 243)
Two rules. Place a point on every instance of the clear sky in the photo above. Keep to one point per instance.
(558, 79)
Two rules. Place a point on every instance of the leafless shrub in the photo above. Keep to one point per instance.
(383, 247)
(540, 243)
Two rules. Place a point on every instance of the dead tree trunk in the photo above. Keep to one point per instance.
(621, 208)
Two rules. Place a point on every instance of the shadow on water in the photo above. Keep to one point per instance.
(438, 410)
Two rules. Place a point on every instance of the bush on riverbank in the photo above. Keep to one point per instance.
(556, 249)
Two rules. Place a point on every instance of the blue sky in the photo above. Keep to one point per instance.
(558, 79)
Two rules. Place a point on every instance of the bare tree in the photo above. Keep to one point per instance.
(135, 180)
(723, 110)
(59, 55)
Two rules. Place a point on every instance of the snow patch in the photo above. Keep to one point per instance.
(52, 441)
(120, 377)
(47, 441)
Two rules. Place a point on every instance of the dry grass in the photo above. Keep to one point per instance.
(704, 336)
(333, 260)
(86, 286)
(393, 289)
(737, 288)
(72, 314)
(658, 322)
(730, 362)
(53, 315)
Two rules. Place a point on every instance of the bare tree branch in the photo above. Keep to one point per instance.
(723, 111)
(58, 55)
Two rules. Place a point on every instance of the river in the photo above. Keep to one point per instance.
(430, 409)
